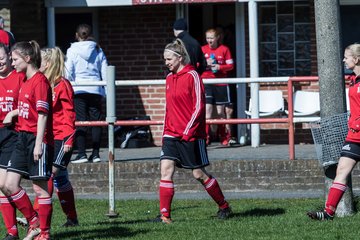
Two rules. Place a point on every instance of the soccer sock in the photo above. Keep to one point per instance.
(166, 192)
(222, 132)
(8, 212)
(335, 194)
(213, 189)
(67, 201)
(23, 203)
(45, 213)
(50, 184)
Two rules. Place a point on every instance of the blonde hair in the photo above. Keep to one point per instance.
(355, 49)
(178, 48)
(55, 59)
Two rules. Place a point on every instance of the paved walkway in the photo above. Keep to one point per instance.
(218, 152)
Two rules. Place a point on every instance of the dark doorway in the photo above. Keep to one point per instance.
(66, 24)
(349, 20)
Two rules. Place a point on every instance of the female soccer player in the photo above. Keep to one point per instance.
(33, 151)
(52, 65)
(10, 82)
(350, 153)
(184, 131)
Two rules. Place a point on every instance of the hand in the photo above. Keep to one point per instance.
(8, 119)
(37, 152)
(67, 148)
(209, 61)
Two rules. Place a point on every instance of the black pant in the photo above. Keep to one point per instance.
(88, 108)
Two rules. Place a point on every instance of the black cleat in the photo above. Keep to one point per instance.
(320, 215)
(71, 223)
(224, 213)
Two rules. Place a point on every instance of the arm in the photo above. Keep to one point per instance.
(198, 108)
(41, 125)
(9, 117)
(229, 62)
(69, 66)
(67, 102)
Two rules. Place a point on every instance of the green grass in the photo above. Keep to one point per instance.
(195, 219)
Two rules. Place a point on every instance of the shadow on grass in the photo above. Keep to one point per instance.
(259, 212)
(96, 233)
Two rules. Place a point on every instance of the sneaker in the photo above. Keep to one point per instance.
(94, 158)
(22, 222)
(224, 213)
(32, 233)
(232, 141)
(80, 159)
(225, 142)
(320, 215)
(43, 236)
(71, 223)
(161, 218)
(10, 237)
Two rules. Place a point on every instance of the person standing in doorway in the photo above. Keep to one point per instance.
(219, 63)
(184, 132)
(192, 45)
(86, 62)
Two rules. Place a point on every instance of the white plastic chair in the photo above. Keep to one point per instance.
(306, 106)
(271, 102)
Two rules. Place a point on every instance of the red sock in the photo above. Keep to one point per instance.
(45, 213)
(213, 189)
(23, 203)
(36, 204)
(166, 192)
(50, 184)
(335, 194)
(9, 216)
(222, 132)
(67, 201)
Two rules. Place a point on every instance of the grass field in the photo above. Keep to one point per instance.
(195, 219)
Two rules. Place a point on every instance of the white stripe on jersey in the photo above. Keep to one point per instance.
(198, 101)
(42, 104)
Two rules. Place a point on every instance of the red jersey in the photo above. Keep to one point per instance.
(354, 99)
(63, 111)
(223, 58)
(4, 38)
(9, 93)
(185, 105)
(35, 97)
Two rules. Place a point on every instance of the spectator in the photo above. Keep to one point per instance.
(6, 37)
(192, 46)
(219, 63)
(86, 62)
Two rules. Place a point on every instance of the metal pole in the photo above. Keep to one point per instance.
(240, 69)
(254, 71)
(110, 118)
(51, 26)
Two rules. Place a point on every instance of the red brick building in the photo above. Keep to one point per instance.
(134, 34)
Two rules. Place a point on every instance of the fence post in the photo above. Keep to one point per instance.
(111, 119)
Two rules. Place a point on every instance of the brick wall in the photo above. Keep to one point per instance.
(134, 39)
(233, 175)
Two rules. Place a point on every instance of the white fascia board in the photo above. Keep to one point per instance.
(87, 3)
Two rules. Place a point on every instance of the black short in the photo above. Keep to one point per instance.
(7, 142)
(190, 155)
(217, 95)
(61, 159)
(351, 150)
(22, 158)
